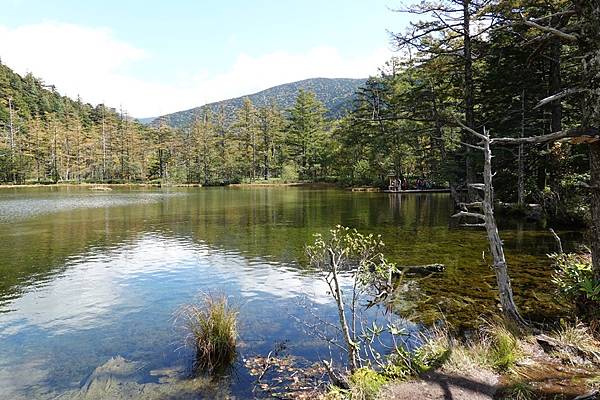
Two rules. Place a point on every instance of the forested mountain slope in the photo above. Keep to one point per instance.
(335, 94)
(47, 137)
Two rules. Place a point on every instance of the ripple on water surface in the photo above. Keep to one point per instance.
(122, 300)
(87, 276)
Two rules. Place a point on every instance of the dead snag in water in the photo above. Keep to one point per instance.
(486, 214)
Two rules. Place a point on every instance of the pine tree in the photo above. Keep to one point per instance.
(306, 133)
(270, 123)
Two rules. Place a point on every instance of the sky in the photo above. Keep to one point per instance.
(155, 57)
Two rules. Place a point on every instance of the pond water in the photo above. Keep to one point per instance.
(86, 276)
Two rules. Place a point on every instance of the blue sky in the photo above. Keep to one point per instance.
(154, 57)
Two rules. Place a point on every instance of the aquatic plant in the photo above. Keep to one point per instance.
(211, 326)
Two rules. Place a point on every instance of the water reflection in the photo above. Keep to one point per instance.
(108, 301)
(86, 276)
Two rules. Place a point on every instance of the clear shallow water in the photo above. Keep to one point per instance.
(85, 276)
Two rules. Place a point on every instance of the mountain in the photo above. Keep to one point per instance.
(335, 94)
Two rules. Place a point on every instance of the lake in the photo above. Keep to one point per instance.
(86, 275)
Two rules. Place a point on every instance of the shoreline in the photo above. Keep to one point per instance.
(158, 185)
(91, 185)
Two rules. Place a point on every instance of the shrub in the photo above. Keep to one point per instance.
(365, 383)
(212, 331)
(519, 391)
(347, 253)
(432, 354)
(575, 280)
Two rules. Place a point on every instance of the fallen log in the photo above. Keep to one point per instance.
(423, 269)
(576, 354)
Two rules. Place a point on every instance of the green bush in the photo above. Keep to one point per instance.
(431, 355)
(518, 391)
(575, 280)
(362, 173)
(365, 383)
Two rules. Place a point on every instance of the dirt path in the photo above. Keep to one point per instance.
(442, 386)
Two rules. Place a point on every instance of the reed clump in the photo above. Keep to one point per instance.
(211, 325)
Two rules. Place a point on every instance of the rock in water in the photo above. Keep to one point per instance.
(118, 379)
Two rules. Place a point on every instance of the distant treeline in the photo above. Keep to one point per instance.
(482, 67)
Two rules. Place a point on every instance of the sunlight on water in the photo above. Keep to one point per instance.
(88, 276)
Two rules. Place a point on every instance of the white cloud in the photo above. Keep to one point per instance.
(93, 63)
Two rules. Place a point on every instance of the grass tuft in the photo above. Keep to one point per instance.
(577, 335)
(211, 326)
(504, 350)
(519, 391)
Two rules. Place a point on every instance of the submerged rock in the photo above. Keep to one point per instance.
(118, 379)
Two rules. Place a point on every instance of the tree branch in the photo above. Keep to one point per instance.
(549, 29)
(575, 132)
(469, 214)
(559, 96)
(472, 131)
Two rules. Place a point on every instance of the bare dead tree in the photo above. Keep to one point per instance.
(486, 205)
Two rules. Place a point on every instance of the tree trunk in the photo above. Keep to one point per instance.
(555, 84)
(521, 158)
(595, 207)
(500, 267)
(468, 93)
(589, 42)
(339, 298)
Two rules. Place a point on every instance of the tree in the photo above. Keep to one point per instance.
(270, 125)
(306, 133)
(246, 127)
(205, 145)
(162, 141)
(449, 30)
(348, 251)
(486, 205)
(577, 23)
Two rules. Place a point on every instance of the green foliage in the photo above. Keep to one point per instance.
(362, 173)
(357, 252)
(504, 350)
(306, 135)
(289, 173)
(346, 251)
(432, 354)
(518, 391)
(575, 280)
(365, 383)
(212, 331)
